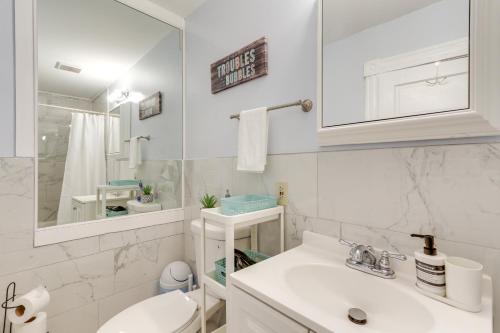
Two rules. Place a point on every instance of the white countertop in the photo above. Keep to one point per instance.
(269, 282)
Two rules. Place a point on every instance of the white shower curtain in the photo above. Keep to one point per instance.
(114, 135)
(85, 162)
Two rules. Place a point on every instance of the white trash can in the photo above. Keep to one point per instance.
(177, 275)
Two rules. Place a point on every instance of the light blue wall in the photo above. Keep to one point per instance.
(220, 27)
(159, 70)
(344, 89)
(7, 94)
(214, 31)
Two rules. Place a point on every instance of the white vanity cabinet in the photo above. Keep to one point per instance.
(249, 315)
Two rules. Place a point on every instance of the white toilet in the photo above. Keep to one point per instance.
(136, 207)
(176, 311)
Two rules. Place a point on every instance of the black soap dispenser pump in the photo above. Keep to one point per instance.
(429, 247)
(431, 274)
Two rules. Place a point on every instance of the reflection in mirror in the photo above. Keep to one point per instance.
(391, 58)
(109, 112)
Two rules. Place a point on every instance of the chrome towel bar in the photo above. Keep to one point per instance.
(305, 104)
(147, 137)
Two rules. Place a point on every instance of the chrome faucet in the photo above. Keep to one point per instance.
(364, 258)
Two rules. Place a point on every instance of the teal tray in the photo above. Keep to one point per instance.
(247, 203)
(110, 213)
(124, 182)
(220, 265)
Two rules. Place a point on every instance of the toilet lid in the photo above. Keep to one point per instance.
(160, 314)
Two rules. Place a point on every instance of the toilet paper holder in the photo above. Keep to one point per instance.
(10, 295)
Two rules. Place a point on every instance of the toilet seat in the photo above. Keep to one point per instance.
(169, 312)
(173, 312)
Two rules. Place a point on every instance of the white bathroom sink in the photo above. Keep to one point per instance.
(312, 285)
(336, 290)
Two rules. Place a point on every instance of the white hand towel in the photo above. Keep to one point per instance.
(252, 140)
(135, 153)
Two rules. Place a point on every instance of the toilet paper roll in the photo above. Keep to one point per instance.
(36, 324)
(29, 305)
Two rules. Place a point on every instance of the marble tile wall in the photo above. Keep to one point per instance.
(370, 196)
(166, 178)
(376, 197)
(89, 280)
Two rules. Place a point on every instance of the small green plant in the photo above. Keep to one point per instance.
(208, 201)
(147, 190)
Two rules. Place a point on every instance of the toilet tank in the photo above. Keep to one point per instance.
(215, 243)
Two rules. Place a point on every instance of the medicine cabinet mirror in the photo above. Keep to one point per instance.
(388, 70)
(109, 112)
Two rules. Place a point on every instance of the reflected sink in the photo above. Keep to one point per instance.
(336, 289)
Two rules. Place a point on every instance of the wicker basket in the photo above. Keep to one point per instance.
(111, 213)
(247, 203)
(220, 265)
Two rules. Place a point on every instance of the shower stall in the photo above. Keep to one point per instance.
(77, 142)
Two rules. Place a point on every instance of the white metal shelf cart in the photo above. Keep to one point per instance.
(230, 224)
(102, 196)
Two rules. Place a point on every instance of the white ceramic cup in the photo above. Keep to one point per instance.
(463, 281)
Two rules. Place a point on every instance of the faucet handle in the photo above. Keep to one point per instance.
(347, 243)
(399, 256)
(384, 262)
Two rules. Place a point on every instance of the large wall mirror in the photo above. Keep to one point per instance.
(109, 112)
(389, 59)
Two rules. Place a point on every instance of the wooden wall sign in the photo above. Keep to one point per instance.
(241, 66)
(150, 106)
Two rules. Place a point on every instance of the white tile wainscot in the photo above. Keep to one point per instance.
(375, 196)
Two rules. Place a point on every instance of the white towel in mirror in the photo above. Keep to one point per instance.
(135, 153)
(252, 140)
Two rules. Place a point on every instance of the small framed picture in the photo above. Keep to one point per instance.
(150, 106)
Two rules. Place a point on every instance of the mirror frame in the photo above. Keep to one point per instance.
(26, 125)
(481, 119)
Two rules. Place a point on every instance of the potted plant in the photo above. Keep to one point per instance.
(208, 201)
(147, 194)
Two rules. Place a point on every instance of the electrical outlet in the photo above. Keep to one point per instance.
(282, 189)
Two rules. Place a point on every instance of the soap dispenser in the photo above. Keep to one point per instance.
(430, 267)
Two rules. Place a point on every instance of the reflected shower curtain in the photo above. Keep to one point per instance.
(85, 162)
(114, 135)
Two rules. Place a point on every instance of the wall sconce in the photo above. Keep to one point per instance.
(438, 80)
(121, 96)
(118, 96)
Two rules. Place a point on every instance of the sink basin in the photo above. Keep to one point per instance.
(312, 285)
(335, 289)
